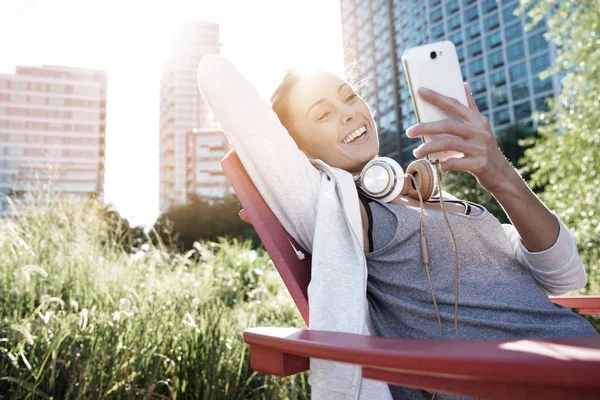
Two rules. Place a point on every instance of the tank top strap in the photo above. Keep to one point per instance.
(365, 201)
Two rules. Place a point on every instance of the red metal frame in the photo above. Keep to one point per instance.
(502, 369)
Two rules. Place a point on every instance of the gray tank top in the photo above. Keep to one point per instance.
(498, 298)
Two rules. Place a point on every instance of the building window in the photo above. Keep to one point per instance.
(491, 22)
(460, 52)
(489, 5)
(473, 31)
(498, 79)
(494, 40)
(435, 16)
(463, 71)
(540, 23)
(471, 14)
(37, 100)
(57, 88)
(457, 38)
(454, 23)
(501, 117)
(476, 67)
(518, 72)
(520, 91)
(474, 49)
(522, 111)
(499, 96)
(433, 3)
(437, 31)
(452, 7)
(3, 84)
(537, 43)
(540, 104)
(540, 63)
(467, 2)
(478, 86)
(18, 98)
(540, 85)
(496, 59)
(513, 31)
(19, 85)
(515, 51)
(508, 13)
(56, 101)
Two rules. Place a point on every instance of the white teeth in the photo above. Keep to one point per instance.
(354, 134)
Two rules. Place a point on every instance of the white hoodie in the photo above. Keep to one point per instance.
(318, 205)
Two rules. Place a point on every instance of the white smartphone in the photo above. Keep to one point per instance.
(434, 66)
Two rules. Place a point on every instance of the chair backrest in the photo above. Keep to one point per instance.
(294, 271)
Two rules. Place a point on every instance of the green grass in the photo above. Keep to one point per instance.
(81, 318)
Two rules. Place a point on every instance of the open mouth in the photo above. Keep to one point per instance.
(359, 135)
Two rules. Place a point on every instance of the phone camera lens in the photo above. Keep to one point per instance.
(433, 55)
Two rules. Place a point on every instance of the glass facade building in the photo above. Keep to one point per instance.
(498, 59)
(52, 132)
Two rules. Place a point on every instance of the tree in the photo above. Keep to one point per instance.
(180, 226)
(513, 142)
(565, 160)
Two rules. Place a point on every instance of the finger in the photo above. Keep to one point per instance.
(467, 147)
(470, 99)
(449, 104)
(470, 164)
(451, 126)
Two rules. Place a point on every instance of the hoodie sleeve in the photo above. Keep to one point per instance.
(558, 269)
(282, 173)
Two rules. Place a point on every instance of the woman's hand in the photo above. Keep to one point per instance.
(475, 139)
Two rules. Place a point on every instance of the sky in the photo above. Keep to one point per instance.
(129, 40)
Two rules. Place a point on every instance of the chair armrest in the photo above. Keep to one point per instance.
(549, 368)
(585, 305)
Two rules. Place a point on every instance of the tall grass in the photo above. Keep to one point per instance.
(81, 318)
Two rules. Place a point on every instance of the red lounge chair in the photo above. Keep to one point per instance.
(496, 369)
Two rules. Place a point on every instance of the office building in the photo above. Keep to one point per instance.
(52, 132)
(205, 177)
(498, 59)
(182, 107)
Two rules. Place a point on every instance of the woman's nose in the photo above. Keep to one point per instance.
(348, 113)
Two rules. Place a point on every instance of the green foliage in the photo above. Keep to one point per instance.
(81, 317)
(182, 225)
(513, 142)
(565, 160)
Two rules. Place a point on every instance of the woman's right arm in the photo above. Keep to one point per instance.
(280, 171)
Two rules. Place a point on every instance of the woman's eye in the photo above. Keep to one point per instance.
(351, 97)
(324, 115)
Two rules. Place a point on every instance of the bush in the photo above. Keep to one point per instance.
(182, 225)
(83, 318)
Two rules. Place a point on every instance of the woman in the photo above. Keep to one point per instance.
(379, 286)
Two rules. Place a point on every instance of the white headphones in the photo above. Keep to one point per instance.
(384, 179)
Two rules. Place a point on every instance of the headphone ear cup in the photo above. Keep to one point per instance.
(381, 178)
(424, 174)
(399, 174)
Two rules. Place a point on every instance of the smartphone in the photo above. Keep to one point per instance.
(434, 66)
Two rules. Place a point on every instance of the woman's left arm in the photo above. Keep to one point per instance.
(540, 231)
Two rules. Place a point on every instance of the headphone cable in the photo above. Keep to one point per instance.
(425, 253)
(439, 173)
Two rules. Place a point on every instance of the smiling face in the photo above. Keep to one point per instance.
(329, 121)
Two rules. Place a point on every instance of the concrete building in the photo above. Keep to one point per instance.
(52, 131)
(205, 178)
(182, 107)
(499, 60)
